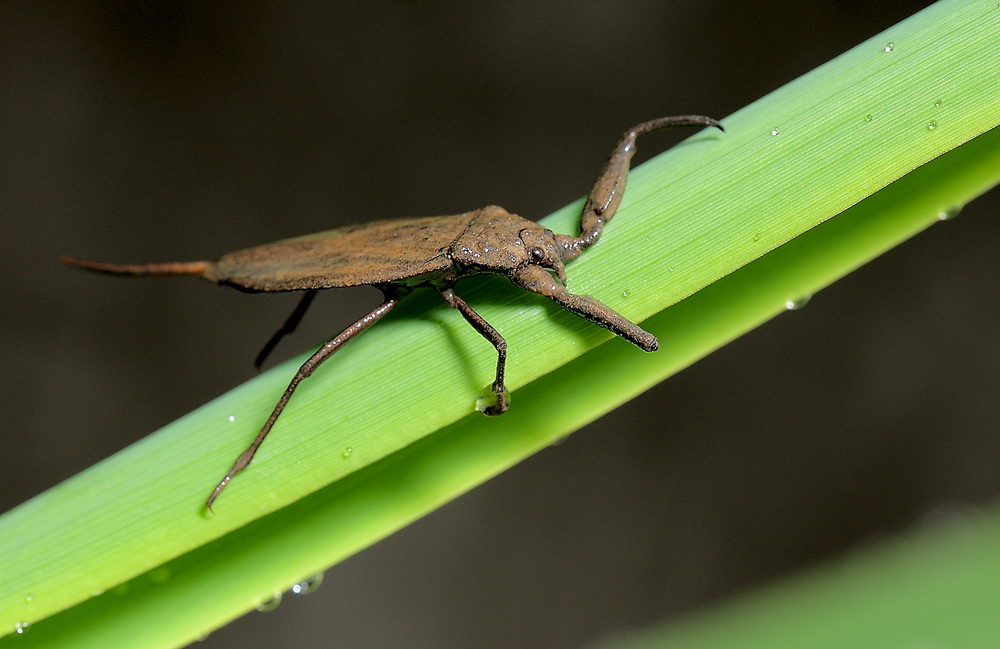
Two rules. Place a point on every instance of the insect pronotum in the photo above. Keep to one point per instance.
(400, 255)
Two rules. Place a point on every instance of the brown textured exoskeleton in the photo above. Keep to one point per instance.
(398, 256)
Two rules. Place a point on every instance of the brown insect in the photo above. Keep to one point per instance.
(398, 256)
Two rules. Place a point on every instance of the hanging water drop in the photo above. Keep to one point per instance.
(307, 586)
(949, 214)
(159, 575)
(270, 604)
(21, 627)
(794, 305)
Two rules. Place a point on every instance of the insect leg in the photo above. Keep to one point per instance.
(489, 333)
(538, 280)
(287, 328)
(610, 185)
(307, 368)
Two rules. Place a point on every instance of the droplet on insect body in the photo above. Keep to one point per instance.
(488, 401)
(270, 604)
(307, 586)
(793, 305)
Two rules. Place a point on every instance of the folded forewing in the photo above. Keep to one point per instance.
(373, 253)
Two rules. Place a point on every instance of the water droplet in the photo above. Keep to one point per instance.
(559, 440)
(159, 575)
(792, 305)
(931, 125)
(21, 627)
(890, 46)
(937, 104)
(671, 270)
(868, 118)
(270, 604)
(775, 131)
(625, 293)
(232, 417)
(307, 586)
(29, 597)
(347, 452)
(756, 237)
(949, 214)
(489, 404)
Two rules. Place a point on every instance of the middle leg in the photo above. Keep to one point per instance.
(489, 333)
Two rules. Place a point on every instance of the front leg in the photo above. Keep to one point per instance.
(538, 280)
(489, 333)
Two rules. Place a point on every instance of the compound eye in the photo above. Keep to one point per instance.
(537, 254)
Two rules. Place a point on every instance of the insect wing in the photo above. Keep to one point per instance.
(373, 253)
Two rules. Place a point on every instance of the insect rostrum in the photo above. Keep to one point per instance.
(400, 255)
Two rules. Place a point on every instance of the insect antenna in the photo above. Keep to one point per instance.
(610, 186)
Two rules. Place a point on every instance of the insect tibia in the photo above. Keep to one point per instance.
(196, 268)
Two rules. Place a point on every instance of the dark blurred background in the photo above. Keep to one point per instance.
(173, 130)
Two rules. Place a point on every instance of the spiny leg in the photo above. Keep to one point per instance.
(538, 280)
(290, 324)
(607, 192)
(489, 333)
(307, 368)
